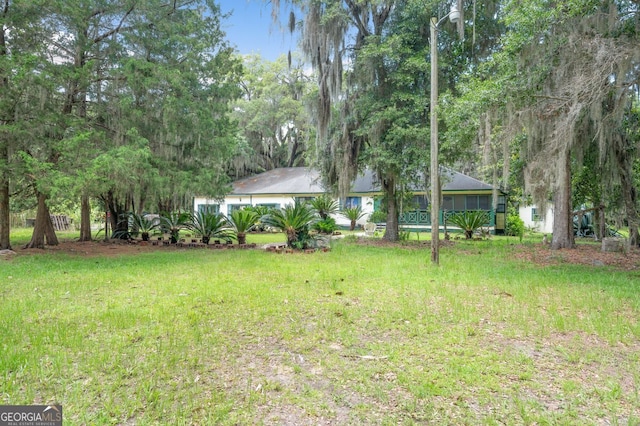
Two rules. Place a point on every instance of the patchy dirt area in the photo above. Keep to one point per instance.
(582, 254)
(585, 253)
(95, 248)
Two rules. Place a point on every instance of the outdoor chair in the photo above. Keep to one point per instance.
(369, 229)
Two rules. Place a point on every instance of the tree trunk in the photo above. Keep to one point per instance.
(85, 219)
(242, 238)
(562, 211)
(601, 229)
(117, 213)
(5, 220)
(43, 229)
(391, 231)
(629, 193)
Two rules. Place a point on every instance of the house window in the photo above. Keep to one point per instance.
(233, 207)
(420, 202)
(477, 202)
(269, 206)
(352, 202)
(484, 202)
(458, 203)
(472, 202)
(447, 203)
(535, 215)
(208, 208)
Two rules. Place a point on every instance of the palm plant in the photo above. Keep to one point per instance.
(241, 222)
(324, 205)
(173, 223)
(353, 214)
(469, 221)
(295, 220)
(140, 224)
(261, 211)
(210, 225)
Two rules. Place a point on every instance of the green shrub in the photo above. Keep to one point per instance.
(515, 226)
(326, 226)
(378, 216)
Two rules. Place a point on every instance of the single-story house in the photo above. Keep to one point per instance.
(278, 187)
(533, 218)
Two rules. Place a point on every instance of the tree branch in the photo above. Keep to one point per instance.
(116, 29)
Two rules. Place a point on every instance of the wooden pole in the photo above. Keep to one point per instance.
(435, 185)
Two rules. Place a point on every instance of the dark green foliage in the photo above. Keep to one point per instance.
(515, 225)
(324, 205)
(209, 225)
(469, 221)
(172, 223)
(242, 221)
(261, 211)
(378, 216)
(143, 225)
(295, 220)
(326, 226)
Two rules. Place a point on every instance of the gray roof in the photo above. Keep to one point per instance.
(289, 180)
(305, 180)
(456, 181)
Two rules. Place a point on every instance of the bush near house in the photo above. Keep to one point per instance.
(295, 220)
(469, 221)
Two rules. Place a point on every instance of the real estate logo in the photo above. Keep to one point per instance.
(30, 415)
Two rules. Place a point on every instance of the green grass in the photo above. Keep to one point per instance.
(358, 335)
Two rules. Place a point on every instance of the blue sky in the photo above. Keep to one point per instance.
(251, 29)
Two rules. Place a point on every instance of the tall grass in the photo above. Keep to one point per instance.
(358, 335)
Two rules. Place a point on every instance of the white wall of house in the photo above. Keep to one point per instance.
(532, 218)
(238, 201)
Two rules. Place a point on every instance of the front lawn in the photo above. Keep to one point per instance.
(363, 334)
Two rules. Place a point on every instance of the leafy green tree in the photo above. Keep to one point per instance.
(528, 90)
(272, 116)
(22, 118)
(372, 113)
(147, 81)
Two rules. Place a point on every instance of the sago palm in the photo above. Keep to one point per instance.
(353, 214)
(210, 225)
(173, 222)
(241, 222)
(469, 221)
(295, 220)
(324, 205)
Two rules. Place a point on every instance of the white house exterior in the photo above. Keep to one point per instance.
(279, 187)
(532, 218)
